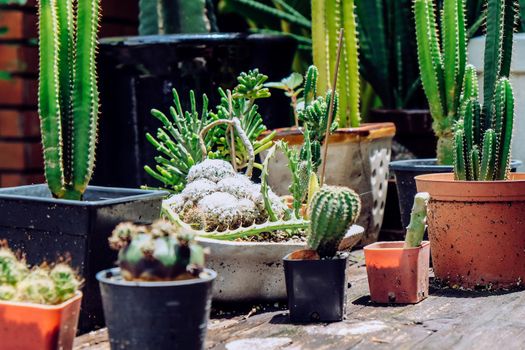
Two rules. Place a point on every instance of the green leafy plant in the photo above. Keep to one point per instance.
(416, 227)
(158, 252)
(179, 143)
(68, 99)
(483, 136)
(328, 18)
(176, 16)
(44, 284)
(332, 211)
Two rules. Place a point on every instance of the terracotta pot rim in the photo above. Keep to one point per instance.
(395, 247)
(449, 178)
(78, 295)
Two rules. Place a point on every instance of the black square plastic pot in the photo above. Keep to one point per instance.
(156, 315)
(45, 228)
(316, 289)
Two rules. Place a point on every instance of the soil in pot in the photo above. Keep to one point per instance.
(476, 230)
(396, 274)
(156, 315)
(39, 327)
(316, 288)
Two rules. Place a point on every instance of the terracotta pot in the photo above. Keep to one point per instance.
(476, 230)
(26, 326)
(357, 158)
(396, 274)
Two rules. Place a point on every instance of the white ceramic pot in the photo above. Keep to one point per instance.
(358, 158)
(476, 51)
(248, 271)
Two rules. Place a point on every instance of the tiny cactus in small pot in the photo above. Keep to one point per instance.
(40, 305)
(398, 271)
(315, 277)
(161, 276)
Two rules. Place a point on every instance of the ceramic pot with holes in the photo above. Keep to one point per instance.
(358, 158)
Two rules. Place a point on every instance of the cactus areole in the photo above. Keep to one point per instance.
(68, 98)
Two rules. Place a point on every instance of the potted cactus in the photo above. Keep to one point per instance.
(316, 277)
(161, 282)
(446, 89)
(398, 271)
(475, 214)
(67, 215)
(179, 46)
(39, 305)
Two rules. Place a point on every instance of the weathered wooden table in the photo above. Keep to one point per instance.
(448, 319)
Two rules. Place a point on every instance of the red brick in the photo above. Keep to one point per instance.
(20, 155)
(21, 124)
(13, 180)
(19, 91)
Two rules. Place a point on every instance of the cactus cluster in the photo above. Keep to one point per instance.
(68, 98)
(332, 211)
(176, 16)
(328, 18)
(44, 284)
(443, 67)
(158, 252)
(180, 142)
(484, 134)
(418, 218)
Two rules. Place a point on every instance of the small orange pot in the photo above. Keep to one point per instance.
(396, 274)
(25, 326)
(476, 230)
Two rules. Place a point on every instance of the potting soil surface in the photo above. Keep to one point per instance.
(447, 319)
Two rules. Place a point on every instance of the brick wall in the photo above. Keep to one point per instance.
(20, 149)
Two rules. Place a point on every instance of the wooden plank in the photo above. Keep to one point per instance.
(448, 319)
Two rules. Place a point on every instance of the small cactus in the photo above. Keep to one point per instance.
(417, 225)
(333, 210)
(158, 252)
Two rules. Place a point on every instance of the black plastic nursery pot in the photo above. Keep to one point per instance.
(406, 170)
(156, 315)
(44, 229)
(316, 289)
(138, 74)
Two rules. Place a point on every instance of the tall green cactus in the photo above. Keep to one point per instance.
(328, 18)
(68, 98)
(484, 135)
(332, 211)
(176, 16)
(417, 225)
(442, 67)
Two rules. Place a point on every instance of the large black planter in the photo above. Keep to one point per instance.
(406, 170)
(156, 315)
(316, 289)
(139, 73)
(45, 228)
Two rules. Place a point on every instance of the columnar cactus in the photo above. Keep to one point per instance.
(328, 18)
(159, 252)
(442, 67)
(176, 16)
(484, 135)
(68, 100)
(418, 217)
(332, 211)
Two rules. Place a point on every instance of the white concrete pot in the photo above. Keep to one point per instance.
(358, 158)
(248, 271)
(476, 51)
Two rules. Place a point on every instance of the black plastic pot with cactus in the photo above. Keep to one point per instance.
(161, 282)
(316, 277)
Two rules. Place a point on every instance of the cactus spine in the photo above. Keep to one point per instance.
(442, 67)
(484, 135)
(328, 18)
(418, 216)
(333, 210)
(68, 100)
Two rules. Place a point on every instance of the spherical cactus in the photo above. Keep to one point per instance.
(158, 253)
(332, 211)
(66, 281)
(211, 169)
(11, 269)
(7, 292)
(37, 287)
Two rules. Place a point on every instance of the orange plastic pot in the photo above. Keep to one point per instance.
(396, 274)
(476, 230)
(25, 326)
